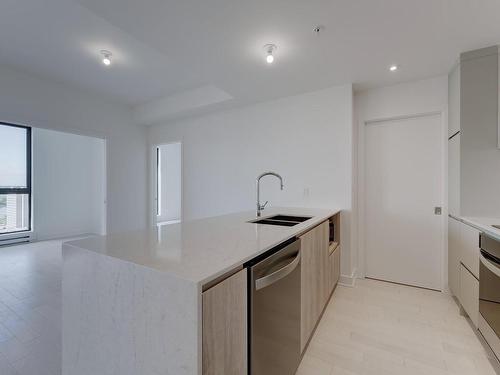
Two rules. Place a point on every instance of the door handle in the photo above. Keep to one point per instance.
(277, 275)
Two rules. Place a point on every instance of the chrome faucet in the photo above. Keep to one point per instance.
(260, 207)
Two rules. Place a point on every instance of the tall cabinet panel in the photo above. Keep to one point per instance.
(473, 160)
(454, 175)
(454, 141)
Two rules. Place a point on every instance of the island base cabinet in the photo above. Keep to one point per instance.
(469, 294)
(225, 327)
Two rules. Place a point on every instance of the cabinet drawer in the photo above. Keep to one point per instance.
(454, 256)
(470, 248)
(469, 294)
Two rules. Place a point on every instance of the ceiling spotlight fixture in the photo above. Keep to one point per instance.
(393, 68)
(106, 57)
(270, 49)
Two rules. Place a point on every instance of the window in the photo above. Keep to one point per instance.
(15, 178)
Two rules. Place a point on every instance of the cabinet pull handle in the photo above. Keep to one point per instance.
(277, 275)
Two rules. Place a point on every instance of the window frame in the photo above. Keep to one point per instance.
(27, 189)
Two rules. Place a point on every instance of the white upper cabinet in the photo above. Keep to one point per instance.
(454, 101)
(473, 117)
(479, 156)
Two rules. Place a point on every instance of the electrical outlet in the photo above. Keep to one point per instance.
(306, 192)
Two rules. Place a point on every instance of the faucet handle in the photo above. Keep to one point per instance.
(262, 206)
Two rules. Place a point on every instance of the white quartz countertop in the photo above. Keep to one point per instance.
(484, 224)
(202, 250)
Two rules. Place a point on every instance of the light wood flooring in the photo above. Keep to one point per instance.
(30, 309)
(388, 329)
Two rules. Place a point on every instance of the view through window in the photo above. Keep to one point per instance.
(15, 178)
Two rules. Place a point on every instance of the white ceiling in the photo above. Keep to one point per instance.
(166, 48)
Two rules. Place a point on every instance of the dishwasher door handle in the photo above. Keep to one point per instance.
(277, 275)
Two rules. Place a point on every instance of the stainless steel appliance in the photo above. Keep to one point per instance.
(274, 316)
(489, 292)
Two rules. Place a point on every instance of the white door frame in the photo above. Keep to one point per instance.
(153, 180)
(104, 208)
(361, 193)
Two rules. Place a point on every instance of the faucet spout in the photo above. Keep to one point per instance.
(260, 207)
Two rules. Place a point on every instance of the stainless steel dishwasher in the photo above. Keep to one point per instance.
(274, 316)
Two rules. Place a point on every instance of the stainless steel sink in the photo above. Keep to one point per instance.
(297, 219)
(282, 220)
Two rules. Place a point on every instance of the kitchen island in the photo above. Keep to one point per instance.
(132, 302)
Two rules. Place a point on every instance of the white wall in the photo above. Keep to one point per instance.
(170, 193)
(29, 100)
(68, 184)
(407, 99)
(306, 138)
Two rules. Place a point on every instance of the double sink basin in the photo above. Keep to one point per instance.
(282, 220)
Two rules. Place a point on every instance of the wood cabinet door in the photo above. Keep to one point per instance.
(331, 271)
(225, 326)
(314, 278)
(454, 256)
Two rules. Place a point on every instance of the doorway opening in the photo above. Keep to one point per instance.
(168, 183)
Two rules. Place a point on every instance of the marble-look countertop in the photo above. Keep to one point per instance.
(201, 250)
(483, 224)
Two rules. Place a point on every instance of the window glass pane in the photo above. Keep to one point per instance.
(13, 157)
(14, 212)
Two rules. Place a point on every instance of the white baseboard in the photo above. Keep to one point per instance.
(68, 236)
(349, 281)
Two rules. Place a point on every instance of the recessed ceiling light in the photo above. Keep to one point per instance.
(270, 49)
(319, 29)
(393, 68)
(106, 57)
